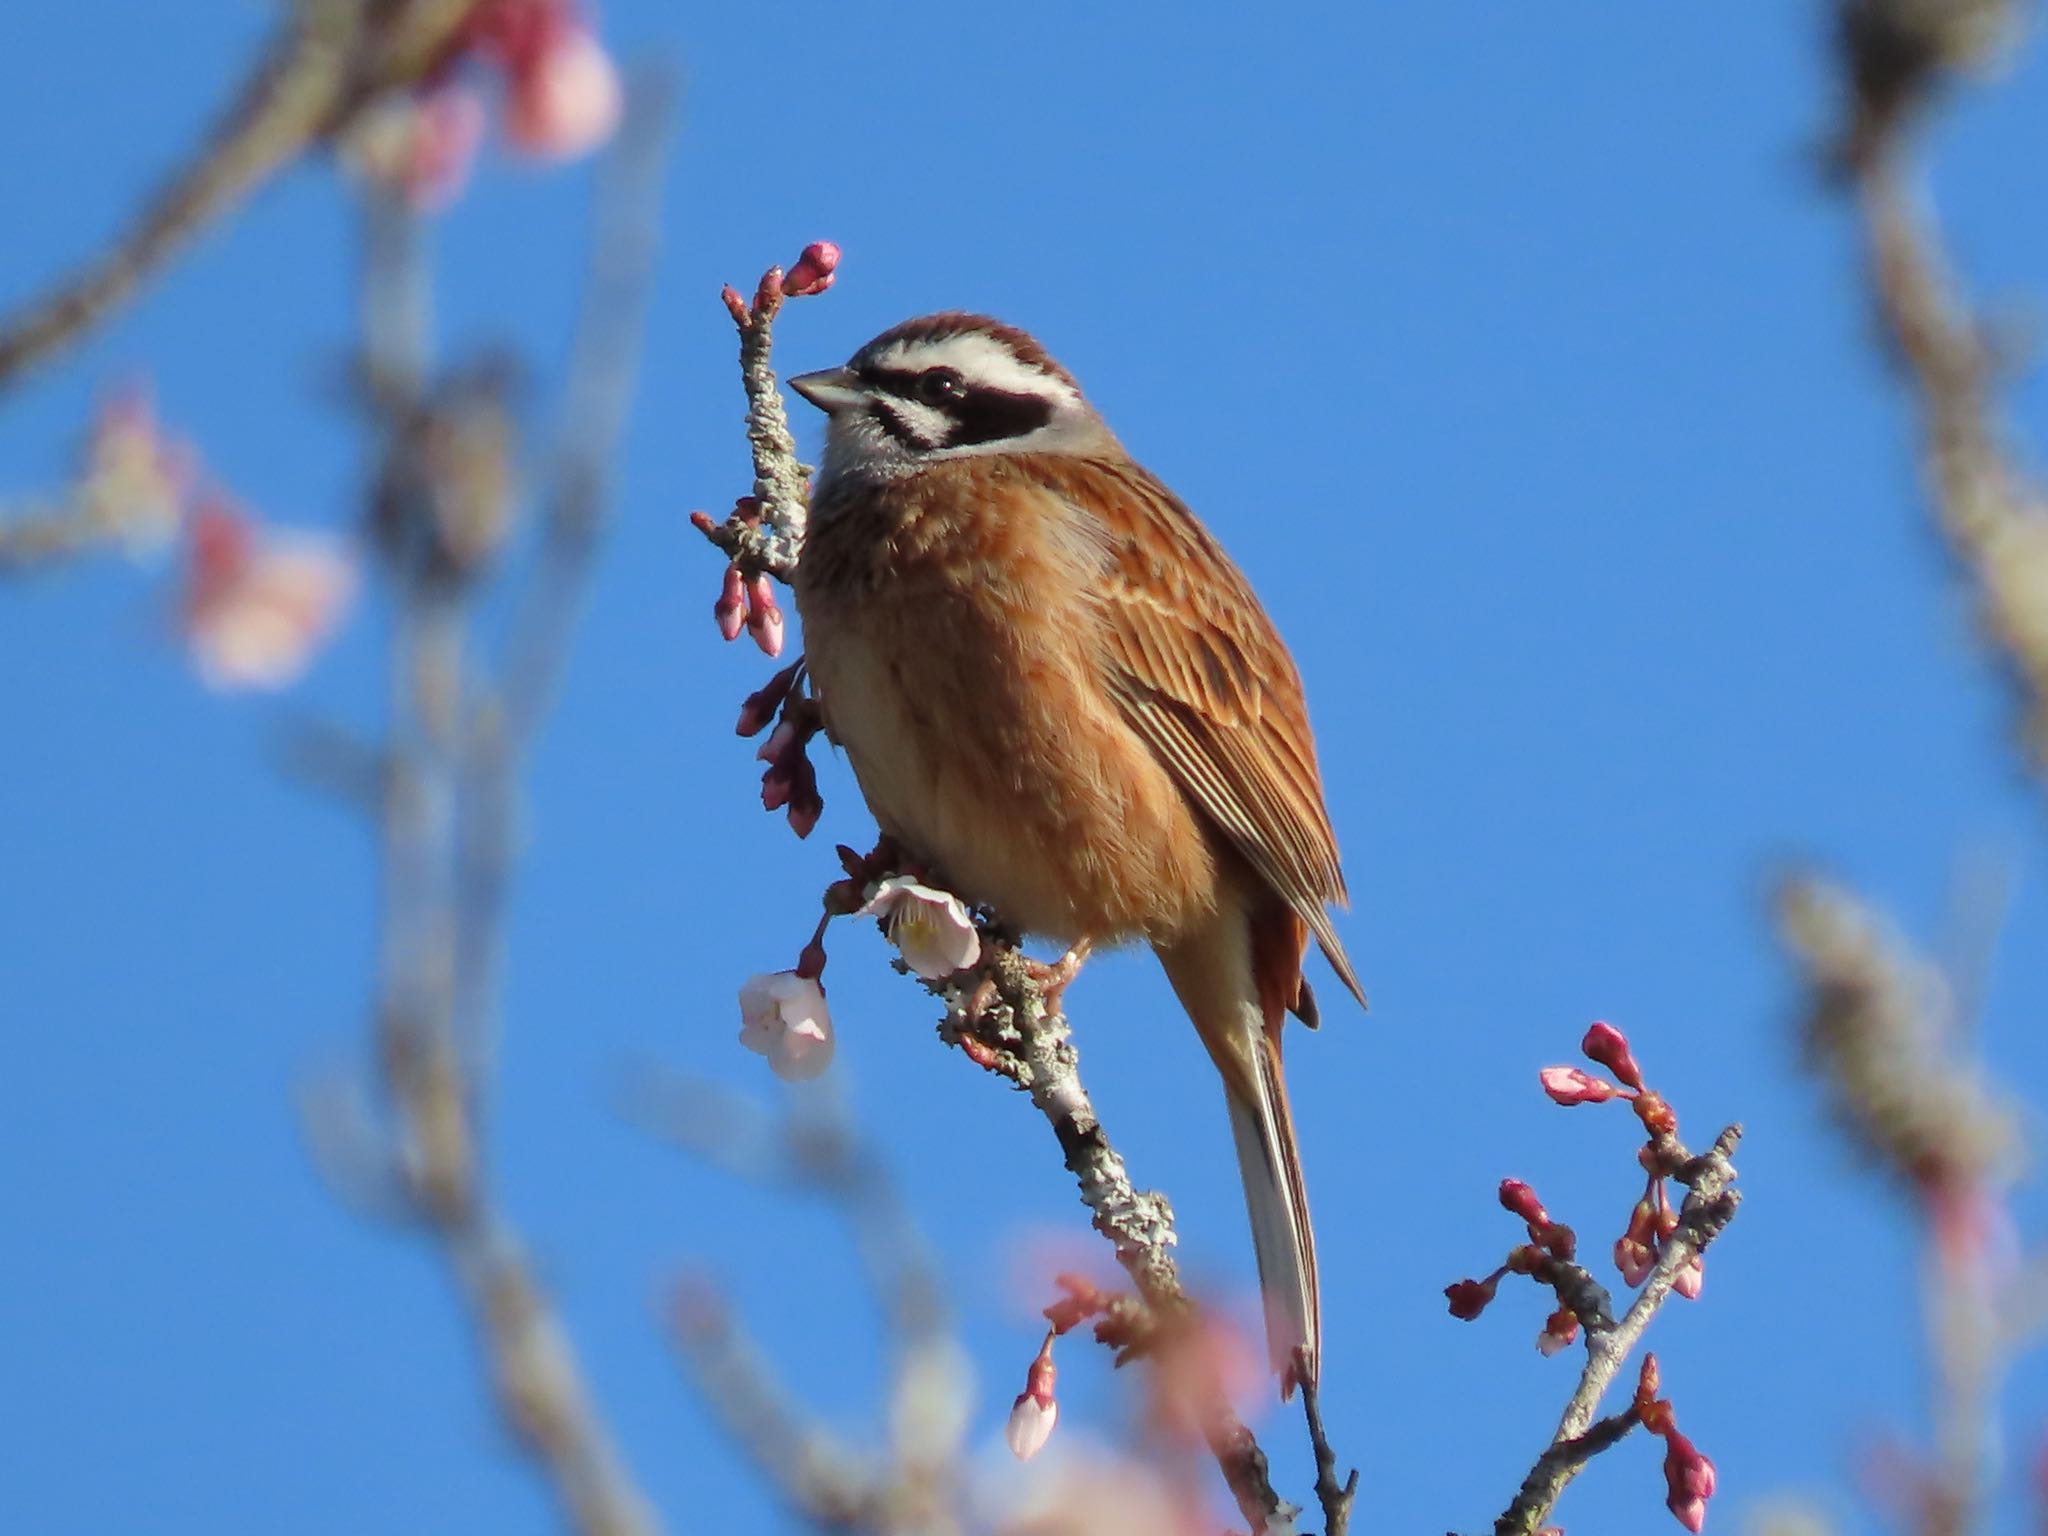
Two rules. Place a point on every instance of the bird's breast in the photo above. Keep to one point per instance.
(961, 677)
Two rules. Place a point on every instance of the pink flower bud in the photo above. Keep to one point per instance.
(761, 704)
(764, 615)
(1036, 1410)
(1609, 1047)
(1569, 1085)
(781, 741)
(1634, 1260)
(776, 786)
(1031, 1424)
(731, 608)
(1688, 1481)
(1691, 1278)
(1521, 1199)
(806, 805)
(1559, 1330)
(814, 270)
(1468, 1298)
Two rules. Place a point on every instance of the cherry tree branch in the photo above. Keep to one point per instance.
(1710, 1204)
(329, 61)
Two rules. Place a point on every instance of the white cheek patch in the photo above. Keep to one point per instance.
(927, 425)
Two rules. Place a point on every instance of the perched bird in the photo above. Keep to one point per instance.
(1058, 692)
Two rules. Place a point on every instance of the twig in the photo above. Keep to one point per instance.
(1710, 1205)
(998, 1014)
(1335, 1497)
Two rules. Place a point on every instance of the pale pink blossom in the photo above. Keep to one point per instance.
(259, 604)
(784, 1018)
(931, 928)
(565, 97)
(1569, 1085)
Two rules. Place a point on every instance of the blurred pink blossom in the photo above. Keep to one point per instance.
(420, 147)
(136, 480)
(784, 1018)
(565, 97)
(259, 603)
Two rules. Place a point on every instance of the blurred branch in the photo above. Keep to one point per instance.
(440, 512)
(1895, 55)
(819, 1154)
(1878, 1031)
(331, 58)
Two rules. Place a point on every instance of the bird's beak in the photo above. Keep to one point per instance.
(829, 389)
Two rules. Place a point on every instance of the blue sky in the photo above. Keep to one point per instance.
(1521, 362)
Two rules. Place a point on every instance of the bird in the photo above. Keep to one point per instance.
(1060, 695)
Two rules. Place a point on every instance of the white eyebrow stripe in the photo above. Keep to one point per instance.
(982, 360)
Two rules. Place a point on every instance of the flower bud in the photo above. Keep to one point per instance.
(1688, 1481)
(1468, 1298)
(731, 608)
(1609, 1047)
(1521, 1199)
(1559, 1330)
(814, 270)
(1569, 1085)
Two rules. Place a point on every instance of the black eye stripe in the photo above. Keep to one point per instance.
(990, 416)
(982, 415)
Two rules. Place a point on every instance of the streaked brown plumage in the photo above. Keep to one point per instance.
(1056, 689)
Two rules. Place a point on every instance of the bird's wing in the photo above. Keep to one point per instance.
(1202, 676)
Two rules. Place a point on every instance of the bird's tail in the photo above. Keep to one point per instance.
(1235, 984)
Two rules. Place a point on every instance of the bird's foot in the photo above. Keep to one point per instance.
(1052, 980)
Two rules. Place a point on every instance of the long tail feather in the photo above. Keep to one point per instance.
(1235, 978)
(1276, 1198)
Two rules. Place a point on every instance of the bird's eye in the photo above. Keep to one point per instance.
(936, 386)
